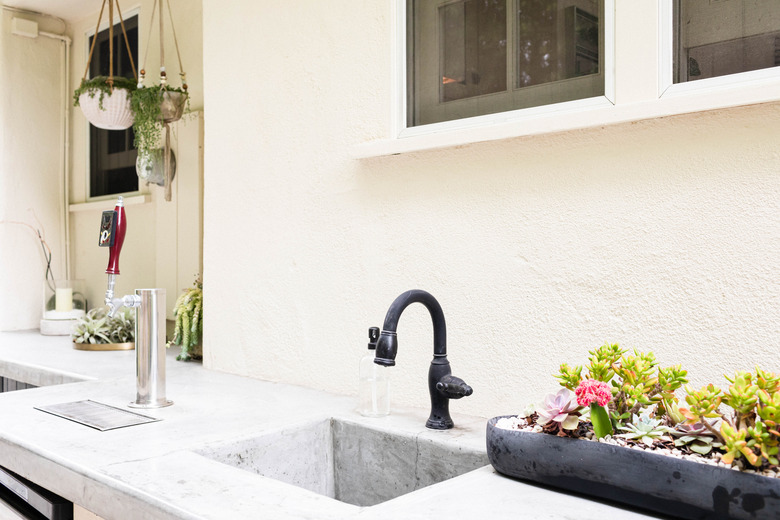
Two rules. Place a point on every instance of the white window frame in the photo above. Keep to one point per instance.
(720, 91)
(620, 104)
(401, 130)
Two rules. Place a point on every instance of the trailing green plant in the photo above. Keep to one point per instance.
(147, 126)
(188, 331)
(99, 86)
(96, 327)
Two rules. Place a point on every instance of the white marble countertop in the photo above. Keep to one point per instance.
(151, 470)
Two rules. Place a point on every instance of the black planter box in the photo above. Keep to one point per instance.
(659, 483)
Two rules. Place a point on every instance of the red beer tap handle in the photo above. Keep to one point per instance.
(119, 238)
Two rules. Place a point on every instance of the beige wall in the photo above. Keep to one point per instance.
(31, 112)
(662, 235)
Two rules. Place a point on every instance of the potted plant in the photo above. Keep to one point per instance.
(153, 107)
(105, 101)
(188, 332)
(98, 331)
(713, 456)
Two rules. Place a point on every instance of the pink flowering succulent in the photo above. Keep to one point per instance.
(560, 408)
(596, 394)
(591, 391)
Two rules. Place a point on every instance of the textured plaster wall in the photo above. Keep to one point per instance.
(662, 235)
(31, 111)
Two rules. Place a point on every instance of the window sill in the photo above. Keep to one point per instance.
(579, 115)
(104, 204)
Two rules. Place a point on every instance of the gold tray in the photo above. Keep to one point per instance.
(104, 346)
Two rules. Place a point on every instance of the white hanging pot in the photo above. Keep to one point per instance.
(115, 113)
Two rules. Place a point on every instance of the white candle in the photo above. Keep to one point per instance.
(63, 300)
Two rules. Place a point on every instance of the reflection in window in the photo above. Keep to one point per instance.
(473, 48)
(720, 37)
(469, 58)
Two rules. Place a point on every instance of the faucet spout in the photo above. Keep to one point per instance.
(387, 345)
(442, 385)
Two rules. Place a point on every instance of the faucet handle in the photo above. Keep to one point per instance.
(373, 337)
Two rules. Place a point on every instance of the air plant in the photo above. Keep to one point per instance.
(559, 412)
(646, 429)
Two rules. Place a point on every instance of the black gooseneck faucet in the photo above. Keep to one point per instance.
(442, 385)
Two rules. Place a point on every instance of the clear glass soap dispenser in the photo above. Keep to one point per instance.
(373, 394)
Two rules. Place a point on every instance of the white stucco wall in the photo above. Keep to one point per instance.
(31, 110)
(662, 235)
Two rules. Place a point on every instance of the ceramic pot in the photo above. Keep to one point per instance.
(660, 483)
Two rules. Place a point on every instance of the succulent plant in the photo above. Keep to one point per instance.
(569, 376)
(188, 330)
(764, 441)
(767, 381)
(602, 360)
(560, 411)
(769, 410)
(702, 404)
(697, 437)
(736, 445)
(742, 396)
(645, 429)
(597, 395)
(670, 379)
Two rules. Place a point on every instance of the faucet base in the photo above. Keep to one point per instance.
(439, 423)
(162, 404)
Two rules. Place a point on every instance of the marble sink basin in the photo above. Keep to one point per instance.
(347, 461)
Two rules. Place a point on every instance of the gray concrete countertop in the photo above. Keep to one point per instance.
(152, 470)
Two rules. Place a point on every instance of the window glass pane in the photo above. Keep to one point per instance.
(472, 48)
(112, 154)
(556, 41)
(720, 37)
(469, 58)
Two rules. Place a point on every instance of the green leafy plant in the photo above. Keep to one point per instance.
(99, 86)
(98, 328)
(189, 323)
(146, 104)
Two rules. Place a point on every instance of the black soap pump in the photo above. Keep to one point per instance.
(373, 393)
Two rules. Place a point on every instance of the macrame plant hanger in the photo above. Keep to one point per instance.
(165, 119)
(110, 80)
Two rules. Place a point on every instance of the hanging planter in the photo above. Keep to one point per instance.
(156, 107)
(105, 100)
(105, 106)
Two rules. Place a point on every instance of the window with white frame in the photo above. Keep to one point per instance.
(715, 38)
(469, 58)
